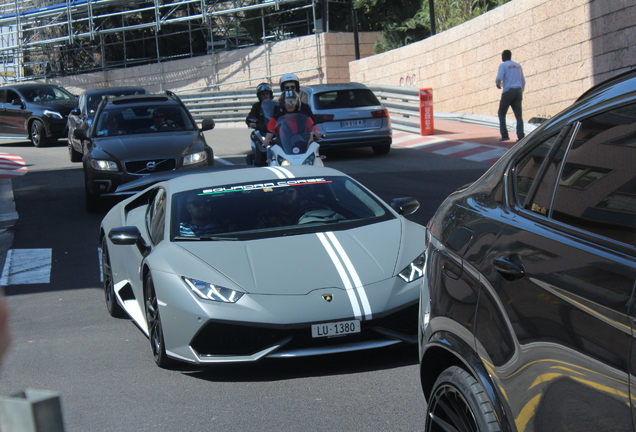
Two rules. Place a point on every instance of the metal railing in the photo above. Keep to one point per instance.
(233, 106)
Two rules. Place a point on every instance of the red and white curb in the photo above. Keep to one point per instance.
(11, 166)
(461, 149)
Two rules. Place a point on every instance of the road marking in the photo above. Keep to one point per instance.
(11, 166)
(26, 266)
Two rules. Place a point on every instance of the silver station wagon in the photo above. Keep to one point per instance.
(350, 115)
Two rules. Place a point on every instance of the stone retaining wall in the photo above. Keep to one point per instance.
(564, 47)
(315, 59)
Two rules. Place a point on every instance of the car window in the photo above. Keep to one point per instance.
(48, 94)
(349, 98)
(12, 95)
(529, 167)
(273, 209)
(596, 191)
(156, 216)
(142, 119)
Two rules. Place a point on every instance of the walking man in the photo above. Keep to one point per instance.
(510, 77)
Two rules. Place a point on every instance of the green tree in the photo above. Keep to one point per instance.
(405, 21)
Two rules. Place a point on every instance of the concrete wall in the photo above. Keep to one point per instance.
(315, 59)
(564, 46)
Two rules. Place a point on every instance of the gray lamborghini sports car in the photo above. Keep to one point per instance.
(243, 264)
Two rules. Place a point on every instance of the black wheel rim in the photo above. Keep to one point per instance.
(107, 274)
(450, 412)
(154, 323)
(35, 133)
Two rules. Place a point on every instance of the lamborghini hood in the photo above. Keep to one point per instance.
(302, 263)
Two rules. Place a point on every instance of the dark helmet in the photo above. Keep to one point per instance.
(263, 87)
(289, 77)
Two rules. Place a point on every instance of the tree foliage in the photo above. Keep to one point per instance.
(406, 21)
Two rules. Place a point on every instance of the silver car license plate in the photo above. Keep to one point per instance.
(335, 328)
(351, 123)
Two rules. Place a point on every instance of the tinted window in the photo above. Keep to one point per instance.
(276, 208)
(156, 216)
(345, 99)
(597, 186)
(140, 119)
(529, 167)
(47, 94)
(12, 95)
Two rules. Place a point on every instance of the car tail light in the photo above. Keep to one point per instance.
(321, 118)
(380, 113)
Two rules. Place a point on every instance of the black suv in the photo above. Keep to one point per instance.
(134, 136)
(81, 116)
(528, 306)
(38, 112)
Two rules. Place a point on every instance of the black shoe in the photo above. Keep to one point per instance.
(504, 139)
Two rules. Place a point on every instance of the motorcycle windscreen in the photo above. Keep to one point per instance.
(267, 108)
(294, 132)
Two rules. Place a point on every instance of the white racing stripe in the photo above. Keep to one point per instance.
(281, 172)
(348, 275)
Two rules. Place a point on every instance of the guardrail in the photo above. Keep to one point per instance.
(233, 106)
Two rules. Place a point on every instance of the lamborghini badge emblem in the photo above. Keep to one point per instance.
(327, 297)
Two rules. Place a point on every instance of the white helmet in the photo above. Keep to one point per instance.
(289, 77)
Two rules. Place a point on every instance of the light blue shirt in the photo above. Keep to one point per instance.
(510, 75)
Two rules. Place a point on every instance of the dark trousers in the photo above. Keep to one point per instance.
(511, 98)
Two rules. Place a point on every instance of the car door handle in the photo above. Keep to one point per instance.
(509, 270)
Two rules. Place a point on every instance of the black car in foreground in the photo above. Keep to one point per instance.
(82, 115)
(35, 111)
(134, 136)
(528, 307)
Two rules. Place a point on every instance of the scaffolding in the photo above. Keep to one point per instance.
(46, 38)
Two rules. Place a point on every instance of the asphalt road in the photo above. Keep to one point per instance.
(102, 367)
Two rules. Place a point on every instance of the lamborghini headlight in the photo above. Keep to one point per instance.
(195, 158)
(415, 270)
(208, 291)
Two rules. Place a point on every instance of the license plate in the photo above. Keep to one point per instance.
(351, 123)
(335, 328)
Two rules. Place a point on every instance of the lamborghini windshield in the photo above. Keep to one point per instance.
(285, 207)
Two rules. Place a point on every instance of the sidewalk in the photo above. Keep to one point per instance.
(469, 137)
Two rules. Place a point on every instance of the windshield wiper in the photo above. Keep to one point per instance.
(205, 238)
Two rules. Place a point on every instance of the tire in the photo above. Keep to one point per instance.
(155, 329)
(114, 309)
(382, 149)
(458, 402)
(38, 134)
(93, 201)
(73, 154)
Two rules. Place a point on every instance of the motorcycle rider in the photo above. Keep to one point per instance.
(289, 81)
(292, 104)
(256, 120)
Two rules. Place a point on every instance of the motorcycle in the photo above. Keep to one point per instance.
(295, 144)
(258, 155)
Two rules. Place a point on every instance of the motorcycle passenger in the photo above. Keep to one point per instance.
(256, 119)
(292, 104)
(289, 81)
